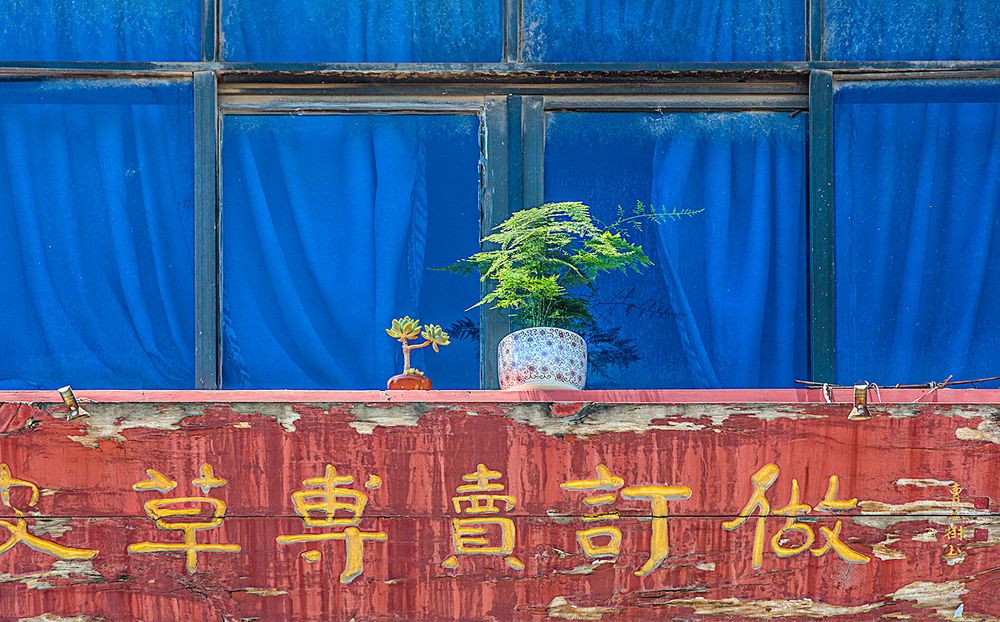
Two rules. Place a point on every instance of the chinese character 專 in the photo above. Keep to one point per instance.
(761, 481)
(19, 528)
(318, 505)
(165, 513)
(606, 483)
(469, 534)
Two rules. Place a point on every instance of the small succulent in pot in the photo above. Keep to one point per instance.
(406, 330)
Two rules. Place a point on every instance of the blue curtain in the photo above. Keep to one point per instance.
(362, 31)
(918, 231)
(724, 304)
(330, 226)
(100, 30)
(664, 30)
(96, 213)
(862, 30)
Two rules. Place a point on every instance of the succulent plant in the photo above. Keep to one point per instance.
(406, 329)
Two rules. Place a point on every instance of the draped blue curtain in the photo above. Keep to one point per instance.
(918, 231)
(360, 31)
(100, 30)
(664, 30)
(330, 226)
(96, 213)
(860, 30)
(724, 305)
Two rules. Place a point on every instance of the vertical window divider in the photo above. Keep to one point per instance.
(822, 283)
(533, 150)
(814, 30)
(206, 232)
(494, 202)
(210, 29)
(512, 22)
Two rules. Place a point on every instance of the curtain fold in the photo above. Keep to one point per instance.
(918, 224)
(97, 224)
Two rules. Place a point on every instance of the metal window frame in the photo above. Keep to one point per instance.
(511, 97)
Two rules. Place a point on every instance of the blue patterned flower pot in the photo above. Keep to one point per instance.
(542, 359)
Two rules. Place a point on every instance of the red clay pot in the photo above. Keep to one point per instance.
(409, 382)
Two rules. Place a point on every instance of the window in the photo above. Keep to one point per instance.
(725, 303)
(332, 226)
(244, 193)
(100, 30)
(863, 30)
(362, 31)
(918, 230)
(96, 206)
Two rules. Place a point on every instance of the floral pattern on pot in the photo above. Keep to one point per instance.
(542, 358)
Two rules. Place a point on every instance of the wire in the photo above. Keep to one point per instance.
(933, 385)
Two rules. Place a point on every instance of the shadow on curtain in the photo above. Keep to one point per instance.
(101, 30)
(664, 30)
(329, 228)
(724, 304)
(918, 231)
(96, 210)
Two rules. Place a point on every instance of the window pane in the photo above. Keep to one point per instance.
(918, 231)
(101, 30)
(362, 31)
(332, 225)
(96, 206)
(724, 304)
(859, 30)
(664, 30)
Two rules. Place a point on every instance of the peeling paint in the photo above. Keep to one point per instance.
(49, 617)
(560, 608)
(883, 516)
(944, 598)
(54, 527)
(883, 551)
(930, 535)
(923, 483)
(370, 417)
(709, 566)
(586, 568)
(81, 570)
(988, 431)
(284, 414)
(263, 591)
(766, 609)
(108, 421)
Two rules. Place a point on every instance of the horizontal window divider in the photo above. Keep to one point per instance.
(789, 85)
(374, 106)
(869, 76)
(677, 102)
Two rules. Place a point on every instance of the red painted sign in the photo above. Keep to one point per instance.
(505, 511)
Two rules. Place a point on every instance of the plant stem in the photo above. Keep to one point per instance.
(406, 352)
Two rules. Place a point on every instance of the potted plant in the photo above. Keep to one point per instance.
(404, 330)
(543, 262)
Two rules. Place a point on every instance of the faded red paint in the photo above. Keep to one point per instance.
(421, 450)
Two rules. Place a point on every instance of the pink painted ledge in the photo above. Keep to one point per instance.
(671, 396)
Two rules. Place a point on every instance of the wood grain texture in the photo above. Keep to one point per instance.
(898, 465)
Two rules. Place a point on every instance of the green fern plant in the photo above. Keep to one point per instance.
(542, 257)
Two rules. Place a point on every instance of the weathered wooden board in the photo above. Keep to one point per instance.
(914, 546)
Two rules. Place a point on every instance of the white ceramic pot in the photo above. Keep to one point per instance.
(541, 359)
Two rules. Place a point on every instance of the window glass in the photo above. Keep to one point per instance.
(917, 231)
(96, 207)
(724, 305)
(101, 30)
(362, 31)
(664, 30)
(859, 30)
(332, 225)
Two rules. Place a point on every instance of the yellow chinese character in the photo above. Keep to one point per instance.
(318, 505)
(656, 495)
(469, 534)
(761, 481)
(586, 537)
(19, 528)
(163, 512)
